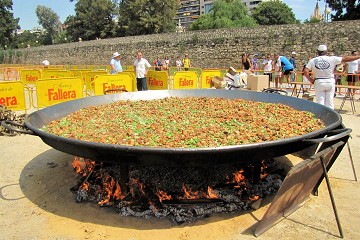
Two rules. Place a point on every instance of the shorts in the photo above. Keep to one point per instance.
(277, 74)
(287, 72)
(352, 78)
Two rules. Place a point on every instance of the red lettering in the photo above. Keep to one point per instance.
(60, 94)
(208, 79)
(112, 86)
(8, 101)
(185, 82)
(30, 78)
(155, 82)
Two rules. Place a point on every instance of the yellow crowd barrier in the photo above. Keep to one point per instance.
(29, 76)
(89, 78)
(157, 80)
(185, 80)
(55, 73)
(206, 77)
(53, 91)
(12, 95)
(103, 83)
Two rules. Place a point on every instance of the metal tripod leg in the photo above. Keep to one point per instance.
(331, 197)
(351, 160)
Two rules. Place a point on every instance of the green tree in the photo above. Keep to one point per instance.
(139, 17)
(273, 12)
(31, 38)
(312, 20)
(93, 19)
(224, 14)
(8, 24)
(49, 20)
(345, 9)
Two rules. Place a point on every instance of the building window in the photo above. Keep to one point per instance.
(208, 8)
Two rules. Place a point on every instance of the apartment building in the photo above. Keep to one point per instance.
(190, 10)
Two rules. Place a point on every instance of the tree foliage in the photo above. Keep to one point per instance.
(8, 24)
(224, 14)
(345, 9)
(49, 20)
(139, 17)
(93, 19)
(273, 12)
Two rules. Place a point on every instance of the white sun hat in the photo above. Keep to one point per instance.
(322, 48)
(116, 54)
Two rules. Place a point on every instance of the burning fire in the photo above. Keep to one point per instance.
(107, 189)
(83, 166)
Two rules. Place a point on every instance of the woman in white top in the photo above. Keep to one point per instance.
(352, 68)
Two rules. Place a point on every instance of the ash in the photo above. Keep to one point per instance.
(143, 200)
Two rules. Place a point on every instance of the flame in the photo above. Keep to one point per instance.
(188, 194)
(238, 176)
(254, 198)
(163, 195)
(83, 166)
(85, 186)
(211, 193)
(112, 190)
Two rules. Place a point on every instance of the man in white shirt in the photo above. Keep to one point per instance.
(353, 68)
(322, 76)
(141, 66)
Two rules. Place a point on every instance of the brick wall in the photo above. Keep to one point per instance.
(207, 49)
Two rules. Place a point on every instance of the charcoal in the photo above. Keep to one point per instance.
(141, 199)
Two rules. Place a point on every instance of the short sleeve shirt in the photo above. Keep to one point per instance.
(353, 66)
(323, 66)
(141, 66)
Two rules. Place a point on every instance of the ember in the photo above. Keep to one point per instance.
(180, 194)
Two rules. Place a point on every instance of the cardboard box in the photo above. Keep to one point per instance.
(258, 82)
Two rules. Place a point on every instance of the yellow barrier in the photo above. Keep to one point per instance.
(89, 78)
(51, 73)
(12, 95)
(29, 76)
(185, 80)
(103, 83)
(53, 91)
(157, 80)
(206, 77)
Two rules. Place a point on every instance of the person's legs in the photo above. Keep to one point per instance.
(329, 94)
(139, 84)
(319, 93)
(144, 84)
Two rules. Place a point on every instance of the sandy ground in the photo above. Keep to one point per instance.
(35, 202)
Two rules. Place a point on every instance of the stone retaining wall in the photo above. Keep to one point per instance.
(207, 49)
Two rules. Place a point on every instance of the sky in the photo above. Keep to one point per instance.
(25, 10)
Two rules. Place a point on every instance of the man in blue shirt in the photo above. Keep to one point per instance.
(286, 67)
(115, 64)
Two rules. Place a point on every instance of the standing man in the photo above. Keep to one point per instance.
(141, 67)
(286, 66)
(322, 76)
(115, 64)
(293, 62)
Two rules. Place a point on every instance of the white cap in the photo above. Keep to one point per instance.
(116, 54)
(322, 48)
(45, 62)
(294, 53)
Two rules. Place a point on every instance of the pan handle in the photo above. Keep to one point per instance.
(9, 126)
(339, 133)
